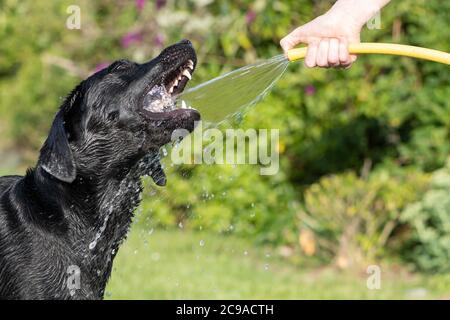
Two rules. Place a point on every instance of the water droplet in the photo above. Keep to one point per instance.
(245, 253)
(180, 225)
(202, 243)
(266, 267)
(92, 245)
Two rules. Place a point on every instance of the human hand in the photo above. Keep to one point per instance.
(327, 37)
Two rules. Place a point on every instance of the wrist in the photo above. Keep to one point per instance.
(357, 12)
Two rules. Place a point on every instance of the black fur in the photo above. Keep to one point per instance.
(75, 207)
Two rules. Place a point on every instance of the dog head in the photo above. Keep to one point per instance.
(118, 115)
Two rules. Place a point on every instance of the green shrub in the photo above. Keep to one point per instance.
(354, 218)
(429, 219)
(225, 199)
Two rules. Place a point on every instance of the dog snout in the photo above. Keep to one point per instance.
(185, 42)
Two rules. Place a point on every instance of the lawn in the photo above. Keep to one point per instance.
(155, 264)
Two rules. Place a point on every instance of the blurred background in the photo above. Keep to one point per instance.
(364, 175)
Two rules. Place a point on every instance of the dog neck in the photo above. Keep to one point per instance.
(97, 213)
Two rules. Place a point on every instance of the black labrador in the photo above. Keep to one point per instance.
(63, 222)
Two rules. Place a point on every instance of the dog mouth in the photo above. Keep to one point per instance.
(161, 99)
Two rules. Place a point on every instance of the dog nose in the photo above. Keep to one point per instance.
(186, 41)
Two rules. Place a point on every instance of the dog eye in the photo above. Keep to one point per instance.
(120, 65)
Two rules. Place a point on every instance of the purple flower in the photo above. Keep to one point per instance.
(310, 90)
(159, 40)
(101, 66)
(140, 4)
(160, 4)
(130, 38)
(250, 16)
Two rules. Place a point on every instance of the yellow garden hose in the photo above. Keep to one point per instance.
(384, 48)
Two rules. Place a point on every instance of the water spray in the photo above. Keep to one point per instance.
(230, 95)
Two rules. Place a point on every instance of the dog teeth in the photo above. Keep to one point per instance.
(184, 105)
(187, 74)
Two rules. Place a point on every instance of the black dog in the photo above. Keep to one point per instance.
(61, 225)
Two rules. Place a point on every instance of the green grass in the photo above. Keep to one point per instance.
(188, 265)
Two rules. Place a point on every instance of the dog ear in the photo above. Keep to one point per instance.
(56, 157)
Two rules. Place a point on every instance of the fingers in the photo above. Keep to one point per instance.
(322, 53)
(345, 60)
(311, 54)
(333, 53)
(287, 43)
(329, 52)
(344, 57)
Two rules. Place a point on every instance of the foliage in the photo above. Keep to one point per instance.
(429, 245)
(353, 218)
(225, 199)
(388, 111)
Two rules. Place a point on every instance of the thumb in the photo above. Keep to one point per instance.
(292, 39)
